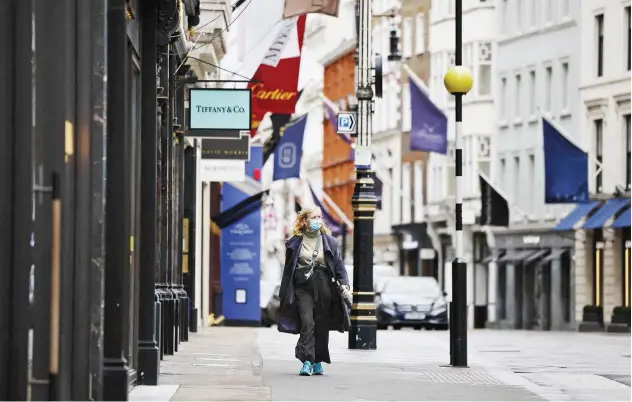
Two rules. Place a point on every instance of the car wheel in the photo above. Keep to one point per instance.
(397, 327)
(417, 327)
(381, 326)
(441, 327)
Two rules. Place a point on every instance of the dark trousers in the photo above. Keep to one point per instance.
(314, 305)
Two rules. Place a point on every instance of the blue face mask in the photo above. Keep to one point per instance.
(314, 224)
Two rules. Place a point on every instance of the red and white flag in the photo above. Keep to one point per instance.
(275, 86)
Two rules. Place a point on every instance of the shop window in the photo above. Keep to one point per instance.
(598, 249)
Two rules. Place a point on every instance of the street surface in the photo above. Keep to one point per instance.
(255, 364)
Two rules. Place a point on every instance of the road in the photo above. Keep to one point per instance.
(250, 364)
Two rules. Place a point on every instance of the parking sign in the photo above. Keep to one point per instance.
(346, 123)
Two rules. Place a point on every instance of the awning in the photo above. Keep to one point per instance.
(515, 256)
(556, 253)
(623, 221)
(576, 215)
(607, 211)
(536, 255)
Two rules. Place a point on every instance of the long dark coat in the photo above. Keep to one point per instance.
(289, 319)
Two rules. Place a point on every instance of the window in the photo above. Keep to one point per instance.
(628, 165)
(406, 111)
(517, 93)
(503, 173)
(420, 37)
(548, 88)
(408, 37)
(516, 179)
(531, 178)
(565, 7)
(628, 38)
(504, 11)
(519, 15)
(599, 32)
(503, 98)
(548, 10)
(532, 93)
(533, 13)
(406, 190)
(599, 155)
(484, 68)
(565, 86)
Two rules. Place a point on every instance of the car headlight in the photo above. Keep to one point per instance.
(438, 307)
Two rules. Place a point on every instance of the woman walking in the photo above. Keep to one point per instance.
(313, 290)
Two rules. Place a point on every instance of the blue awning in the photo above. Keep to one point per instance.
(623, 221)
(576, 215)
(607, 211)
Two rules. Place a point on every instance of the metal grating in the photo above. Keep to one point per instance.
(460, 376)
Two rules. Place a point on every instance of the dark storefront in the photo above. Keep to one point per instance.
(417, 257)
(533, 281)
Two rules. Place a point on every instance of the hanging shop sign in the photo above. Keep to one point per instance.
(218, 109)
(227, 148)
(217, 170)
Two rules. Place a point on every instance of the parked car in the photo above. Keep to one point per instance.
(412, 301)
(270, 313)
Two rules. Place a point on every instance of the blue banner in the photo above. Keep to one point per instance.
(565, 168)
(240, 253)
(429, 125)
(287, 156)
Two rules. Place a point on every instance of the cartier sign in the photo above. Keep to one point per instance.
(274, 94)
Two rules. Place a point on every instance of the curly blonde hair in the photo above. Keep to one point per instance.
(300, 224)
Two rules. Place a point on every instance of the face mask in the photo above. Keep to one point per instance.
(314, 224)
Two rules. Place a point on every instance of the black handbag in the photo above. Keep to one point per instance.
(303, 275)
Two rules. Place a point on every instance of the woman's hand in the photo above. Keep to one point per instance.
(346, 292)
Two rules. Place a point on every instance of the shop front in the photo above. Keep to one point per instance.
(417, 257)
(533, 280)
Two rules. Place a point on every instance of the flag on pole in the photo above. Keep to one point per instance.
(565, 166)
(275, 83)
(287, 157)
(429, 125)
(494, 207)
(279, 121)
(292, 8)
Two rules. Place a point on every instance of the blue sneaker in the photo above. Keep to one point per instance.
(306, 369)
(318, 369)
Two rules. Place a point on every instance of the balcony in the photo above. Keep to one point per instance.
(208, 40)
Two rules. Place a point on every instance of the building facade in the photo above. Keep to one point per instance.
(386, 135)
(415, 250)
(479, 35)
(602, 254)
(532, 266)
(339, 87)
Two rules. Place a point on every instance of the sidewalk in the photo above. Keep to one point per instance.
(247, 364)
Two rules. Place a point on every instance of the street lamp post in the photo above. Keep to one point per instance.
(458, 81)
(362, 334)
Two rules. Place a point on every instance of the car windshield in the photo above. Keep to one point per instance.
(412, 285)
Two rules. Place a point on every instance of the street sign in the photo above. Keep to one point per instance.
(347, 123)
